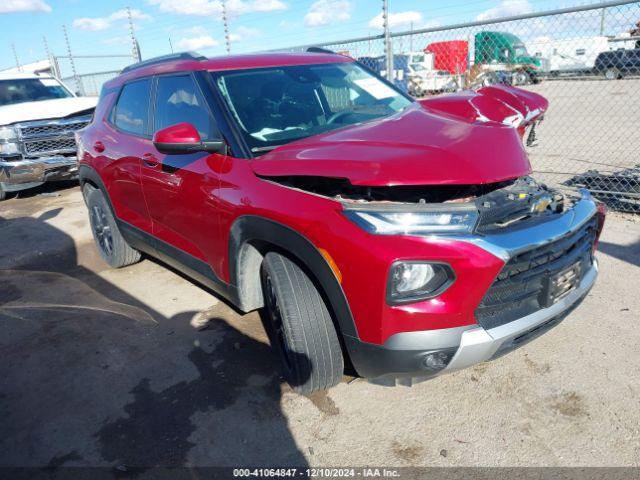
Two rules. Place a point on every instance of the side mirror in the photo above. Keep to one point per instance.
(184, 138)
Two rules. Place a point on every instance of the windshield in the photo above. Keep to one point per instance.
(31, 90)
(520, 51)
(274, 106)
(418, 68)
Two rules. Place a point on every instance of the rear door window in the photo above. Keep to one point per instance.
(131, 113)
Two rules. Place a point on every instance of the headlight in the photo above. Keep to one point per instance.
(411, 281)
(11, 148)
(416, 223)
(8, 134)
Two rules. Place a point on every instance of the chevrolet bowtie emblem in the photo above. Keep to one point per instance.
(541, 204)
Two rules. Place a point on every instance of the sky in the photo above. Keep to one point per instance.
(100, 27)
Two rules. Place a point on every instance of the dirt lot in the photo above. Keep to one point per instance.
(140, 366)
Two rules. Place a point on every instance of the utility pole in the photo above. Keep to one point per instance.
(225, 22)
(15, 56)
(602, 22)
(135, 49)
(388, 49)
(52, 60)
(170, 45)
(411, 39)
(76, 79)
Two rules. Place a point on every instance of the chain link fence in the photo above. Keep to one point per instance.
(585, 60)
(85, 74)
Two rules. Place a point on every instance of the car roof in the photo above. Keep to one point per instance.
(229, 62)
(20, 76)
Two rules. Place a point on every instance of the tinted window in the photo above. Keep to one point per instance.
(132, 110)
(179, 100)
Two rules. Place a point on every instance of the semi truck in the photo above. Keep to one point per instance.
(492, 57)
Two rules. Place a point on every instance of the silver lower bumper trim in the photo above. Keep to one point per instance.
(478, 345)
(32, 170)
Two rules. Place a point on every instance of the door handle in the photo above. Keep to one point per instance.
(150, 160)
(98, 146)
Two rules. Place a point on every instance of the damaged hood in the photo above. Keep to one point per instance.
(465, 142)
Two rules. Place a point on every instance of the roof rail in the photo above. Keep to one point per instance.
(320, 50)
(164, 58)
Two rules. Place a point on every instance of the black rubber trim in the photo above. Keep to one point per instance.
(147, 243)
(377, 362)
(253, 228)
(87, 174)
(178, 259)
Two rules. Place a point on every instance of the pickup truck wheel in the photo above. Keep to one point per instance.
(112, 246)
(299, 326)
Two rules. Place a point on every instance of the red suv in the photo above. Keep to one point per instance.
(399, 239)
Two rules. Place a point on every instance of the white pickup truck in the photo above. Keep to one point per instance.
(38, 118)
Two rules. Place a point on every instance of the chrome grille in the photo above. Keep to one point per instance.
(51, 137)
(52, 145)
(51, 129)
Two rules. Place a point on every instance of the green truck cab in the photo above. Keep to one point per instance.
(507, 52)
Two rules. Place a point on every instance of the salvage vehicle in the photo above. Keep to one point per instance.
(39, 116)
(617, 64)
(423, 81)
(387, 237)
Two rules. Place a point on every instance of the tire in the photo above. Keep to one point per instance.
(111, 245)
(300, 327)
(612, 74)
(522, 78)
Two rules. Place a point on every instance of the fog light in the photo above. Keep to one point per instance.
(414, 281)
(437, 360)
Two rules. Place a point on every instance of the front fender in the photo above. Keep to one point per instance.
(504, 104)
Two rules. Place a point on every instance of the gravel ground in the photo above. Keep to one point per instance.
(140, 366)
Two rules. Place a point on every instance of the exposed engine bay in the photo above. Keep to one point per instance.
(500, 204)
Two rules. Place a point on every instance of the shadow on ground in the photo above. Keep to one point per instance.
(92, 376)
(52, 189)
(626, 253)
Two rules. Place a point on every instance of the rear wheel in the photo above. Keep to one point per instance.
(112, 246)
(300, 326)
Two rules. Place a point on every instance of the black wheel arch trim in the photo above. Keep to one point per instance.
(248, 229)
(147, 243)
(245, 230)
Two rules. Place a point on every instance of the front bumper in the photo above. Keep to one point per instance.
(402, 358)
(20, 174)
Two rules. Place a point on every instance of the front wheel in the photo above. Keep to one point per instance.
(612, 74)
(299, 326)
(112, 246)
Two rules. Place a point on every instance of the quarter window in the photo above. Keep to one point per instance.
(179, 100)
(131, 114)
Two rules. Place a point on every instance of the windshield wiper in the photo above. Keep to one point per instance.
(264, 149)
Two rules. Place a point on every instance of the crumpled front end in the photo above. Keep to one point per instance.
(514, 277)
(38, 151)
